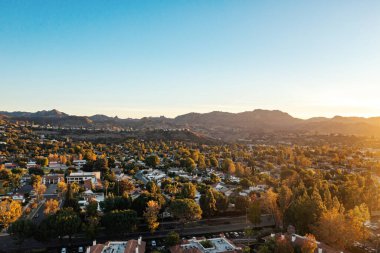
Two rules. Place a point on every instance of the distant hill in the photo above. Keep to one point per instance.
(220, 125)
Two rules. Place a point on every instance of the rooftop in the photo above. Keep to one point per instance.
(220, 245)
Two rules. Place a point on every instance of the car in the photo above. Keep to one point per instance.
(63, 250)
(80, 250)
(154, 244)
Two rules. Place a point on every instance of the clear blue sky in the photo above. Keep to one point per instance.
(150, 58)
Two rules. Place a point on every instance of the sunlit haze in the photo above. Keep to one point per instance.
(140, 58)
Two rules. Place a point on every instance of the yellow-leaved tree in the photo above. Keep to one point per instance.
(10, 211)
(150, 215)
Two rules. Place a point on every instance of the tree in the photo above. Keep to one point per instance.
(106, 185)
(221, 201)
(172, 239)
(92, 208)
(270, 199)
(188, 191)
(152, 187)
(36, 171)
(310, 244)
(284, 201)
(140, 203)
(254, 213)
(340, 229)
(10, 211)
(152, 161)
(283, 246)
(51, 206)
(116, 203)
(241, 203)
(75, 187)
(190, 164)
(22, 229)
(228, 166)
(67, 222)
(201, 162)
(120, 221)
(35, 180)
(301, 213)
(214, 162)
(40, 189)
(185, 210)
(126, 186)
(101, 164)
(214, 178)
(207, 203)
(245, 183)
(150, 215)
(91, 227)
(62, 188)
(70, 200)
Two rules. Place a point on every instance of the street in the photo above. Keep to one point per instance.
(236, 224)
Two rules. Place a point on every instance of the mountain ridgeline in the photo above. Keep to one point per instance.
(221, 125)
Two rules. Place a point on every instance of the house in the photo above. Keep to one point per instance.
(131, 246)
(81, 177)
(31, 165)
(217, 245)
(52, 178)
(88, 196)
(10, 165)
(79, 162)
(298, 240)
(19, 197)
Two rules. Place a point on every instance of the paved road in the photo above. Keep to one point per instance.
(7, 243)
(49, 194)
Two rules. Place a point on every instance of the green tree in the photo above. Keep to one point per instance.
(140, 203)
(22, 229)
(172, 239)
(221, 201)
(185, 210)
(152, 161)
(67, 222)
(116, 203)
(120, 221)
(207, 203)
(254, 213)
(91, 227)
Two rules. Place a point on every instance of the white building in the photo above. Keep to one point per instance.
(131, 246)
(81, 177)
(218, 245)
(79, 162)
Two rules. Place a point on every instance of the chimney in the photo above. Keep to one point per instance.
(137, 250)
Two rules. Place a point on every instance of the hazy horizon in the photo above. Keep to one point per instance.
(151, 58)
(172, 117)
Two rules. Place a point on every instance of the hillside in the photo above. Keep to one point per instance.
(219, 125)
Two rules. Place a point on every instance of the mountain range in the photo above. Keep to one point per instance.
(217, 124)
